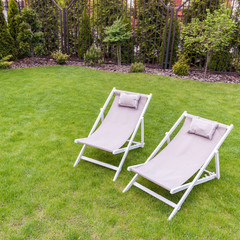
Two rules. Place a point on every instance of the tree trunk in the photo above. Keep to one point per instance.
(119, 54)
(206, 66)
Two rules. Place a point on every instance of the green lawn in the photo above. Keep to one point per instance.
(43, 197)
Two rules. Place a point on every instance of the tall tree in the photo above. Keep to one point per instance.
(198, 9)
(6, 41)
(30, 37)
(12, 21)
(116, 35)
(106, 12)
(151, 19)
(85, 38)
(212, 35)
(48, 14)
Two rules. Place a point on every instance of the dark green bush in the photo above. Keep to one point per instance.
(92, 56)
(106, 12)
(46, 12)
(59, 57)
(151, 16)
(221, 61)
(236, 64)
(6, 41)
(85, 38)
(30, 38)
(137, 67)
(198, 9)
(4, 62)
(181, 67)
(12, 19)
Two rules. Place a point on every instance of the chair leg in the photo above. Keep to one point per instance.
(176, 209)
(79, 156)
(121, 163)
(130, 183)
(217, 164)
(142, 132)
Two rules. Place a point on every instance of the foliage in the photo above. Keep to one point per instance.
(221, 61)
(12, 19)
(93, 56)
(105, 13)
(236, 63)
(30, 37)
(181, 67)
(4, 62)
(46, 12)
(137, 67)
(213, 34)
(85, 38)
(6, 41)
(151, 19)
(62, 3)
(175, 32)
(116, 35)
(59, 57)
(198, 9)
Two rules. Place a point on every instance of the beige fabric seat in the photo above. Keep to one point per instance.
(118, 127)
(181, 159)
(184, 156)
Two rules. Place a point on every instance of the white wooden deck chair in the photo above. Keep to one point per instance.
(187, 154)
(118, 127)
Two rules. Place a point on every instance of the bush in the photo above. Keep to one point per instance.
(6, 41)
(85, 38)
(12, 19)
(116, 35)
(4, 62)
(151, 17)
(221, 61)
(181, 67)
(46, 13)
(59, 57)
(93, 56)
(137, 67)
(236, 64)
(30, 38)
(106, 12)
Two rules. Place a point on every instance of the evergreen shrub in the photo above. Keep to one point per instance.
(30, 37)
(59, 57)
(93, 56)
(137, 67)
(4, 62)
(6, 42)
(13, 12)
(181, 67)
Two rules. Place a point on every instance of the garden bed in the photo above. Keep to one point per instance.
(111, 67)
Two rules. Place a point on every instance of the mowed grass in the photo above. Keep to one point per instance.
(43, 197)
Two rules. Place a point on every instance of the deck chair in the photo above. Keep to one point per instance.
(185, 155)
(118, 127)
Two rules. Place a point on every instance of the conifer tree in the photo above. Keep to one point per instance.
(30, 37)
(85, 39)
(6, 41)
(12, 21)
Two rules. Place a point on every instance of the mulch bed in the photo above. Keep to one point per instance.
(111, 67)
